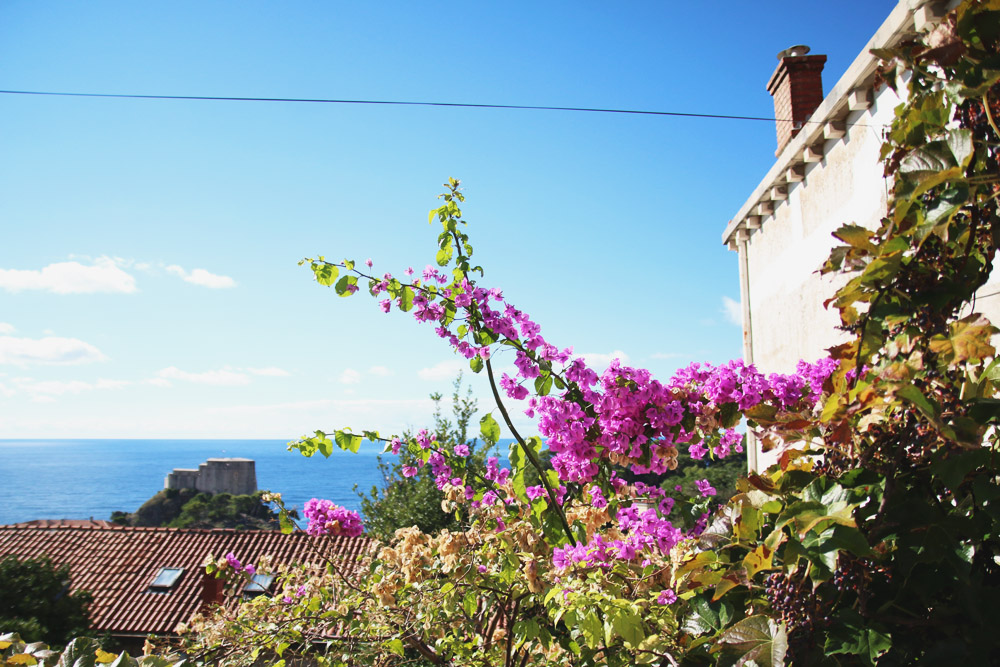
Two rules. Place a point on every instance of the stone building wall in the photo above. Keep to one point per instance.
(232, 475)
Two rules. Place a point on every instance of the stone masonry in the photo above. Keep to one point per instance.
(236, 476)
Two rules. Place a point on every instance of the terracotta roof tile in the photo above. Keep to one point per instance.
(117, 564)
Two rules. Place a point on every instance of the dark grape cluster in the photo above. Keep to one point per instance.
(972, 114)
(792, 600)
(849, 578)
(834, 464)
(806, 611)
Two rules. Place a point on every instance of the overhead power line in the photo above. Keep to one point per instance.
(306, 100)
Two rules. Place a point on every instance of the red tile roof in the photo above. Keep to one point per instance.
(117, 564)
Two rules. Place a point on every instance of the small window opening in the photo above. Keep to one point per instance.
(166, 578)
(259, 585)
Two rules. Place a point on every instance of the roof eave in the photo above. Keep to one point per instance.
(859, 75)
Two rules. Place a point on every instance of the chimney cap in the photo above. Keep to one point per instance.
(794, 51)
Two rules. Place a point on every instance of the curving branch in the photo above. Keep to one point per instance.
(530, 453)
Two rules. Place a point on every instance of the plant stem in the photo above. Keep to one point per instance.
(530, 453)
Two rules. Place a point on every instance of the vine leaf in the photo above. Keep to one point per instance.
(760, 639)
(489, 429)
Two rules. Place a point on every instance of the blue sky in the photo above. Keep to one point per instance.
(149, 284)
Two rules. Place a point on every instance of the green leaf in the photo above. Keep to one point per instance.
(324, 445)
(856, 236)
(543, 384)
(490, 429)
(627, 624)
(849, 635)
(406, 299)
(729, 415)
(807, 514)
(519, 485)
(344, 285)
(825, 491)
(960, 143)
(953, 467)
(910, 393)
(81, 652)
(759, 639)
(157, 661)
(348, 441)
(592, 629)
(122, 660)
(848, 538)
(945, 205)
(470, 602)
(935, 156)
(476, 364)
(326, 274)
(703, 619)
(395, 646)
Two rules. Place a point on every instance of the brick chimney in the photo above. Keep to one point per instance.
(213, 591)
(797, 89)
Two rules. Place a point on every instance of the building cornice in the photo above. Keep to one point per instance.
(853, 92)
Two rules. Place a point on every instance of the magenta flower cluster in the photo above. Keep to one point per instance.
(593, 423)
(326, 518)
(645, 532)
(239, 567)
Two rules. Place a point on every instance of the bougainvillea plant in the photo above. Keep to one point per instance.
(874, 539)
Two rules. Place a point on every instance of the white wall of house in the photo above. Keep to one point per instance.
(786, 293)
(783, 232)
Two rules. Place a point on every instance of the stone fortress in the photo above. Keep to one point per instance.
(235, 476)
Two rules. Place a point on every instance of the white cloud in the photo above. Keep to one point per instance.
(219, 378)
(269, 371)
(732, 310)
(6, 328)
(272, 407)
(104, 275)
(380, 371)
(445, 370)
(202, 277)
(158, 382)
(49, 350)
(599, 359)
(59, 387)
(349, 376)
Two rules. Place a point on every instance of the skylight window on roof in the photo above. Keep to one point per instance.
(166, 578)
(259, 584)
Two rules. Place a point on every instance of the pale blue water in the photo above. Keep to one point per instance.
(80, 479)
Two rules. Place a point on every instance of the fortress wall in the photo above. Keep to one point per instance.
(181, 478)
(236, 476)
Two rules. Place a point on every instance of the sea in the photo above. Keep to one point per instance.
(84, 479)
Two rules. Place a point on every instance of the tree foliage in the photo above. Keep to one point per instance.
(189, 508)
(80, 652)
(36, 601)
(405, 501)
